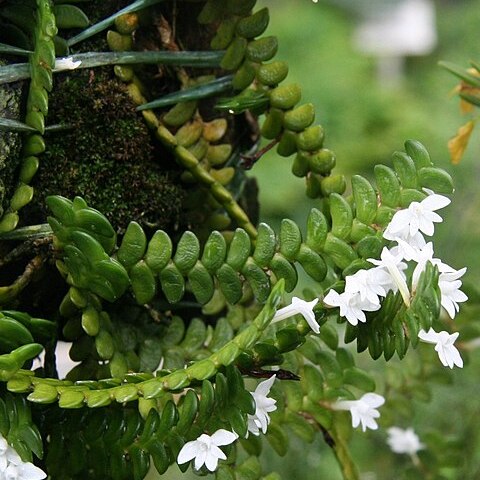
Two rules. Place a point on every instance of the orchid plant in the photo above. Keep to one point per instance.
(129, 230)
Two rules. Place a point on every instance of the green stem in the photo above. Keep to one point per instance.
(194, 93)
(345, 461)
(105, 23)
(21, 71)
(27, 233)
(50, 389)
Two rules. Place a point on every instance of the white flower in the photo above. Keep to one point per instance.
(449, 285)
(12, 467)
(263, 406)
(421, 256)
(66, 63)
(404, 441)
(368, 284)
(448, 281)
(444, 346)
(351, 305)
(394, 266)
(303, 308)
(418, 217)
(205, 449)
(363, 411)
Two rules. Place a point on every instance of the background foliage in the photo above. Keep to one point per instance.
(363, 121)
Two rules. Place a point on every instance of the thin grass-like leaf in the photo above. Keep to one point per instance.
(21, 71)
(9, 125)
(9, 49)
(461, 73)
(473, 99)
(193, 93)
(58, 127)
(106, 22)
(14, 72)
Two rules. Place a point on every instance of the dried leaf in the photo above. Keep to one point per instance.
(458, 144)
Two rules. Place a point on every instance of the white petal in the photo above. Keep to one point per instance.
(373, 399)
(31, 472)
(252, 425)
(263, 388)
(455, 356)
(188, 452)
(211, 462)
(442, 355)
(200, 459)
(355, 418)
(435, 202)
(223, 437)
(332, 299)
(430, 337)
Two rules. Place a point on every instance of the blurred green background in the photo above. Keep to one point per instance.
(365, 121)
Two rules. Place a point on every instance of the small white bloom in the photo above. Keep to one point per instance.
(368, 284)
(418, 217)
(205, 449)
(449, 285)
(299, 306)
(363, 411)
(12, 467)
(394, 266)
(263, 406)
(404, 441)
(66, 63)
(351, 305)
(444, 346)
(3, 454)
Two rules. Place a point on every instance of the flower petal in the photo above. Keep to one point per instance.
(223, 437)
(29, 471)
(188, 452)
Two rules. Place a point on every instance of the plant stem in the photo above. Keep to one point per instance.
(27, 233)
(340, 449)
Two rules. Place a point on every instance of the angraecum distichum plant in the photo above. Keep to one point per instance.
(130, 230)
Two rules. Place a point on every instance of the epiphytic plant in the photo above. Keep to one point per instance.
(128, 222)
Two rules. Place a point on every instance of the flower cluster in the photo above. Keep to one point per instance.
(12, 467)
(364, 290)
(205, 449)
(363, 293)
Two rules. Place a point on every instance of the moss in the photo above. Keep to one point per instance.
(106, 156)
(10, 142)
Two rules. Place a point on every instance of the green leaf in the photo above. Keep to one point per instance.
(358, 378)
(277, 439)
(461, 73)
(69, 16)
